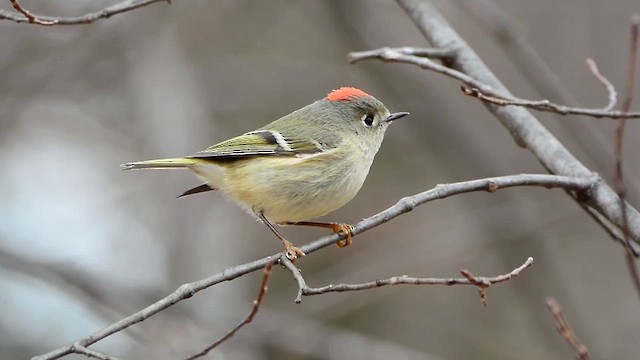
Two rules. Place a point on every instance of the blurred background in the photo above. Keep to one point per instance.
(83, 244)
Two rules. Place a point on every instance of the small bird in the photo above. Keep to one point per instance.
(299, 167)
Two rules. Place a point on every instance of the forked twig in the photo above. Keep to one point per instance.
(469, 279)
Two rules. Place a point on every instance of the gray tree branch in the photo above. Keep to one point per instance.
(404, 205)
(526, 130)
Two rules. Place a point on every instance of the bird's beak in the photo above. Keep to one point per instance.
(396, 116)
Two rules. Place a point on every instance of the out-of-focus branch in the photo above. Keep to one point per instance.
(26, 16)
(524, 127)
(404, 205)
(247, 320)
(469, 279)
(565, 329)
(619, 140)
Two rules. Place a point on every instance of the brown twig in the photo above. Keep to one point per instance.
(565, 330)
(404, 205)
(30, 18)
(247, 320)
(481, 283)
(619, 140)
(469, 279)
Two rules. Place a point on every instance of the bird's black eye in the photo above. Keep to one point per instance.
(368, 120)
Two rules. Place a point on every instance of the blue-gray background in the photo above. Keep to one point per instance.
(83, 244)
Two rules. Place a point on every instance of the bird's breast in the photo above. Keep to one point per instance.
(290, 188)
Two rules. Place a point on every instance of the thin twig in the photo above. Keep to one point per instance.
(565, 330)
(611, 90)
(30, 18)
(619, 140)
(79, 349)
(295, 272)
(481, 90)
(469, 279)
(247, 320)
(404, 205)
(393, 55)
(548, 106)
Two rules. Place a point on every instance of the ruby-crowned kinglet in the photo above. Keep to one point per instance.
(299, 167)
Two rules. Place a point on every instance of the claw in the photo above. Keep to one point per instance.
(343, 229)
(291, 251)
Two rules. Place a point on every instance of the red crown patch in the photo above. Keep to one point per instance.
(345, 93)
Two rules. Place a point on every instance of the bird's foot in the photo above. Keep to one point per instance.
(338, 228)
(291, 251)
(343, 229)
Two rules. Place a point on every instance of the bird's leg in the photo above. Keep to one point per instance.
(338, 228)
(291, 251)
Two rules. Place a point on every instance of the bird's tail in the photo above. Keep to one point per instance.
(174, 163)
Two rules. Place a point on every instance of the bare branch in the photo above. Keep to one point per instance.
(481, 282)
(30, 18)
(546, 105)
(484, 91)
(404, 205)
(79, 349)
(402, 56)
(619, 140)
(247, 320)
(525, 129)
(565, 330)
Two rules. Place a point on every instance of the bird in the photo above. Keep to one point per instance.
(301, 166)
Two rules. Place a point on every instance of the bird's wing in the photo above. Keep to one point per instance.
(260, 143)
